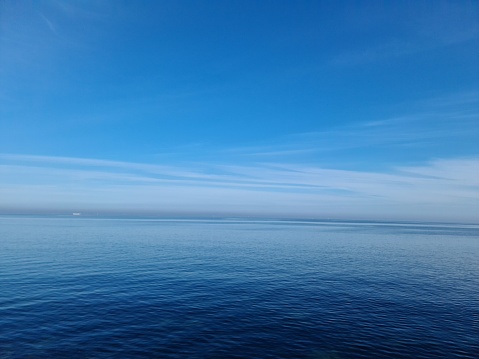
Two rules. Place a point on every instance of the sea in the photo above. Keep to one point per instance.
(79, 287)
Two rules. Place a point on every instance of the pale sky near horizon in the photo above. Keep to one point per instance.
(315, 109)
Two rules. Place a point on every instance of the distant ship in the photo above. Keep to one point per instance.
(76, 213)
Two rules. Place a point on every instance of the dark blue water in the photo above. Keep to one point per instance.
(118, 288)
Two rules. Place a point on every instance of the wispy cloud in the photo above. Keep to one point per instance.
(283, 178)
(428, 27)
(376, 53)
(49, 24)
(428, 125)
(444, 189)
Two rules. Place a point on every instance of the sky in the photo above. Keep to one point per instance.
(277, 109)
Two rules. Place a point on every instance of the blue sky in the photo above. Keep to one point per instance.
(317, 109)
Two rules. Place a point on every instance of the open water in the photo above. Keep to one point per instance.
(78, 287)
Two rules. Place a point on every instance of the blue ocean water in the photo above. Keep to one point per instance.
(78, 287)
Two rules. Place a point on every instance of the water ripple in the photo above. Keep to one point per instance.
(142, 289)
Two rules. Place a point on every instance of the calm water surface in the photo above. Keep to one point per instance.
(131, 288)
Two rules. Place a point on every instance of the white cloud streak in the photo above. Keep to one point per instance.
(277, 179)
(451, 119)
(439, 190)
